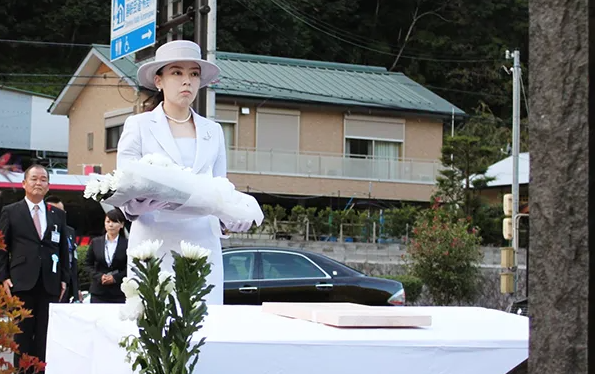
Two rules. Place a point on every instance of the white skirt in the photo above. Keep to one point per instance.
(203, 231)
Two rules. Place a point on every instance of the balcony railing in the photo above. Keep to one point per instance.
(275, 162)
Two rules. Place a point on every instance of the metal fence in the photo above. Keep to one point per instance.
(307, 231)
(331, 165)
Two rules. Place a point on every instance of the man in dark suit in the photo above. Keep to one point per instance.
(35, 266)
(72, 288)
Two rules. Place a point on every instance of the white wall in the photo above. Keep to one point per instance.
(48, 132)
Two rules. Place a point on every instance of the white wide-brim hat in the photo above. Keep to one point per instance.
(176, 51)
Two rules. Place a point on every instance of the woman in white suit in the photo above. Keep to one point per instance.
(173, 129)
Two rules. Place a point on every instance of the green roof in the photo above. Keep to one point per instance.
(314, 81)
(126, 65)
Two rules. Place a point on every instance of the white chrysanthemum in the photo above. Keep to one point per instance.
(116, 180)
(92, 189)
(193, 252)
(170, 288)
(133, 309)
(145, 250)
(104, 185)
(130, 287)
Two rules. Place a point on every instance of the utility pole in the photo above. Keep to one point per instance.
(211, 47)
(516, 140)
(200, 38)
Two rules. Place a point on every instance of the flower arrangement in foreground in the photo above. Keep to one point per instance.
(168, 308)
(11, 314)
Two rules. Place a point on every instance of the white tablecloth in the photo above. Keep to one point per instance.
(83, 338)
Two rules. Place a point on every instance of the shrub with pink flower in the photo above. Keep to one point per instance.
(445, 254)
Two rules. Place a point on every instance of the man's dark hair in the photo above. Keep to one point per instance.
(52, 199)
(36, 166)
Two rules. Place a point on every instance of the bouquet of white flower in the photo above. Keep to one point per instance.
(157, 177)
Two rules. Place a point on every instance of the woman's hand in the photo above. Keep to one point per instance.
(137, 207)
(107, 279)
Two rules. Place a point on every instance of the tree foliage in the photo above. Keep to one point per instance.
(465, 161)
(445, 254)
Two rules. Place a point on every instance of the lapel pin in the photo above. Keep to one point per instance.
(207, 136)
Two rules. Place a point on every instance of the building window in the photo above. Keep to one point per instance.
(112, 136)
(229, 132)
(365, 148)
(358, 148)
(89, 141)
(114, 125)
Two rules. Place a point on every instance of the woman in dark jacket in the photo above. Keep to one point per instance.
(107, 260)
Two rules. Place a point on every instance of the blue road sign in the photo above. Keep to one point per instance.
(133, 26)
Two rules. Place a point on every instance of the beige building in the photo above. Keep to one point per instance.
(293, 127)
(501, 172)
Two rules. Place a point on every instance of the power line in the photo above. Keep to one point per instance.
(278, 97)
(103, 76)
(355, 37)
(465, 92)
(268, 85)
(524, 93)
(269, 23)
(37, 42)
(50, 84)
(257, 83)
(377, 50)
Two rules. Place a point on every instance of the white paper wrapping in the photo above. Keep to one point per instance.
(188, 194)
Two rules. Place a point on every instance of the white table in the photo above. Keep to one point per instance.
(83, 338)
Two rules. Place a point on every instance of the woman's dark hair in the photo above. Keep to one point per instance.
(153, 101)
(52, 199)
(116, 215)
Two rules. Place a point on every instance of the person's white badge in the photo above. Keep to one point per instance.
(55, 235)
(54, 263)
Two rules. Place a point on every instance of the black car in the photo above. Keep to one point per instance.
(254, 275)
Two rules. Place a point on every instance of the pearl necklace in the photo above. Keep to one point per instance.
(177, 121)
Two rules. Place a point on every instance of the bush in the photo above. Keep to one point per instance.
(445, 254)
(412, 285)
(83, 274)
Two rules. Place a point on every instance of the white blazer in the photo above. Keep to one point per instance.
(149, 132)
